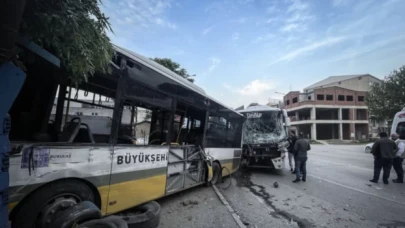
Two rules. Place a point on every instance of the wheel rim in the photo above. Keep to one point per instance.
(55, 205)
(368, 149)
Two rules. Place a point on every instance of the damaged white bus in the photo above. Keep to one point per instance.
(56, 163)
(264, 137)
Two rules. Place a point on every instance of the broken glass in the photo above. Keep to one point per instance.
(263, 127)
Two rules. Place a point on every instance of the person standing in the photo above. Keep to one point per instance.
(301, 148)
(384, 152)
(399, 158)
(292, 139)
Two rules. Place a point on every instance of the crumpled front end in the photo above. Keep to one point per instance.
(264, 155)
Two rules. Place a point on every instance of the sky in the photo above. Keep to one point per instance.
(245, 51)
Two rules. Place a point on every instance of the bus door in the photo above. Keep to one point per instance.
(186, 168)
(186, 164)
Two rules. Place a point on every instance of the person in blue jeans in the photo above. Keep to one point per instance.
(301, 148)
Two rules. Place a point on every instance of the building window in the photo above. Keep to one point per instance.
(329, 97)
(295, 100)
(288, 102)
(340, 83)
(341, 98)
(360, 98)
(320, 97)
(349, 98)
(309, 97)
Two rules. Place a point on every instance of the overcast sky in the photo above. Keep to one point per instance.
(244, 51)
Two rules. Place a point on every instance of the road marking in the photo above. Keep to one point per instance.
(230, 209)
(355, 189)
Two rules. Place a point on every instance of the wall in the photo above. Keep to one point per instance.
(362, 84)
(142, 129)
(334, 91)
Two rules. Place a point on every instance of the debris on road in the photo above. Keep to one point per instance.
(275, 184)
(190, 202)
(194, 202)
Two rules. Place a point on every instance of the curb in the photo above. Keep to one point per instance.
(230, 209)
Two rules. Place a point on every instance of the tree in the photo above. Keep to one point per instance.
(74, 31)
(387, 98)
(175, 67)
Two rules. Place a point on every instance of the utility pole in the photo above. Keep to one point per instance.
(11, 81)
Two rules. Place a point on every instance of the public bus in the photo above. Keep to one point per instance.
(264, 137)
(57, 162)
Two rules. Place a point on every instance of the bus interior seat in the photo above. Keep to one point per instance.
(70, 130)
(84, 134)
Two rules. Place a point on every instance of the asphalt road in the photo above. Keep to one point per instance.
(337, 194)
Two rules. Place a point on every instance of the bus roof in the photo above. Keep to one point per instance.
(259, 108)
(168, 74)
(160, 69)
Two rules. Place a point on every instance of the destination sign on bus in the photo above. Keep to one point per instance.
(254, 115)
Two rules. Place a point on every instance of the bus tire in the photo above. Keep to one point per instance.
(216, 173)
(63, 193)
(144, 216)
(81, 212)
(112, 221)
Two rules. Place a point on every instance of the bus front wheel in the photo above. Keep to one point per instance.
(216, 173)
(39, 208)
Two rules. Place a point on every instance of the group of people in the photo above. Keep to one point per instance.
(387, 153)
(298, 151)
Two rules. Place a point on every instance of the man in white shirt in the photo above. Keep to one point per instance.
(399, 158)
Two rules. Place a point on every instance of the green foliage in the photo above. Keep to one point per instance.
(74, 31)
(175, 67)
(387, 98)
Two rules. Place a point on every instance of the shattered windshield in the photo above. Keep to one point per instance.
(263, 127)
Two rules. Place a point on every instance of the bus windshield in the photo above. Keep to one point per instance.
(263, 127)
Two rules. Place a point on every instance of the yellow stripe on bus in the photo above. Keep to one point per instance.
(228, 166)
(12, 205)
(132, 193)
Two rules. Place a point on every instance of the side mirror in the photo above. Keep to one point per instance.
(287, 122)
(285, 114)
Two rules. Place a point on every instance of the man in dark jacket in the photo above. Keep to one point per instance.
(384, 152)
(292, 139)
(301, 148)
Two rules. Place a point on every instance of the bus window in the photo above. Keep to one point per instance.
(216, 132)
(95, 120)
(83, 116)
(401, 128)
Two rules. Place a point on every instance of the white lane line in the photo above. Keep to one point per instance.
(228, 206)
(355, 189)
